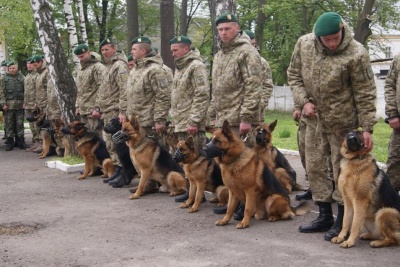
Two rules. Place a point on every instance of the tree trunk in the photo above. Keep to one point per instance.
(183, 18)
(72, 35)
(132, 14)
(82, 22)
(89, 30)
(260, 24)
(64, 84)
(167, 30)
(363, 30)
(103, 21)
(113, 15)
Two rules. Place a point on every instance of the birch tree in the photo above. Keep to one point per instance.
(72, 35)
(64, 84)
(82, 21)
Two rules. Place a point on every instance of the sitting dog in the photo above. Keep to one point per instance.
(272, 157)
(369, 198)
(202, 173)
(122, 151)
(92, 148)
(152, 160)
(248, 180)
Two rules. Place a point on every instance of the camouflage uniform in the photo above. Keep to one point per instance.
(89, 80)
(341, 86)
(190, 96)
(111, 97)
(267, 87)
(12, 95)
(392, 110)
(30, 100)
(41, 86)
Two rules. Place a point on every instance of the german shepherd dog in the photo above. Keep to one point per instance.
(369, 198)
(122, 151)
(151, 159)
(92, 148)
(203, 173)
(248, 180)
(272, 157)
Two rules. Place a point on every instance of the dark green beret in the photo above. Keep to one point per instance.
(140, 40)
(250, 34)
(29, 59)
(36, 58)
(180, 40)
(4, 63)
(129, 58)
(106, 42)
(328, 23)
(80, 49)
(227, 17)
(10, 63)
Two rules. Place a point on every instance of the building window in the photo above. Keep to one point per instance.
(388, 52)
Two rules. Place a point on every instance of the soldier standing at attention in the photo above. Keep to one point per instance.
(12, 101)
(333, 84)
(111, 96)
(88, 81)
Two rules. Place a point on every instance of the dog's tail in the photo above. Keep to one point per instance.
(302, 208)
(387, 220)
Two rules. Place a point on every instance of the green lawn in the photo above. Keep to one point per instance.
(284, 135)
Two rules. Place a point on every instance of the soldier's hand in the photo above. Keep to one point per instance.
(192, 129)
(394, 123)
(160, 127)
(244, 127)
(309, 109)
(121, 118)
(95, 115)
(368, 142)
(5, 107)
(77, 112)
(296, 114)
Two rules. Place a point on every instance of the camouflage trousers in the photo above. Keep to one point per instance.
(91, 124)
(393, 161)
(199, 138)
(14, 122)
(320, 147)
(107, 138)
(32, 125)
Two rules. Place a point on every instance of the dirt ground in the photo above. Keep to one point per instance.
(49, 218)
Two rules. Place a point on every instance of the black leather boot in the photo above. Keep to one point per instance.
(10, 144)
(183, 197)
(22, 144)
(324, 221)
(16, 142)
(115, 174)
(304, 196)
(337, 227)
(119, 181)
(239, 214)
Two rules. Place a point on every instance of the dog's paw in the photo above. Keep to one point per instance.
(134, 196)
(185, 205)
(337, 240)
(163, 189)
(242, 225)
(347, 244)
(221, 223)
(366, 236)
(214, 200)
(273, 218)
(81, 177)
(193, 209)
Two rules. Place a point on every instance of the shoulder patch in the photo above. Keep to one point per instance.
(123, 77)
(369, 73)
(163, 83)
(200, 80)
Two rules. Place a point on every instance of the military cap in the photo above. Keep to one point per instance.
(227, 17)
(328, 23)
(141, 39)
(129, 58)
(10, 63)
(80, 49)
(29, 59)
(180, 40)
(36, 58)
(250, 34)
(106, 41)
(4, 63)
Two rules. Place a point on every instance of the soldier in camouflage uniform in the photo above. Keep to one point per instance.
(111, 96)
(88, 81)
(267, 83)
(392, 110)
(131, 62)
(236, 79)
(29, 102)
(333, 84)
(12, 101)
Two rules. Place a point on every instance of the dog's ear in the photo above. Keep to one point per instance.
(226, 130)
(189, 142)
(79, 126)
(272, 125)
(134, 122)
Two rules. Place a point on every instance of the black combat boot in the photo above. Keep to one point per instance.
(324, 221)
(16, 142)
(337, 227)
(183, 197)
(119, 181)
(10, 144)
(239, 213)
(304, 196)
(115, 174)
(22, 144)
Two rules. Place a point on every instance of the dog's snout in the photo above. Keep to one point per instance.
(65, 130)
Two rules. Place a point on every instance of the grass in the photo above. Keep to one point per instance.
(71, 160)
(285, 134)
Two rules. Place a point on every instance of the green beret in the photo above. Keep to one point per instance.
(29, 59)
(4, 63)
(327, 24)
(250, 34)
(80, 49)
(36, 58)
(10, 63)
(129, 58)
(141, 39)
(180, 40)
(227, 17)
(106, 42)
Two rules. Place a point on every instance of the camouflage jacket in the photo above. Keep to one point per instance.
(340, 83)
(267, 84)
(392, 89)
(190, 95)
(88, 81)
(111, 95)
(53, 109)
(236, 83)
(30, 89)
(13, 98)
(149, 90)
(41, 86)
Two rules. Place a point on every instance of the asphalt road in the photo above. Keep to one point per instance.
(49, 218)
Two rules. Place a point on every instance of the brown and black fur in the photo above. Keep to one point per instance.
(92, 148)
(370, 201)
(203, 173)
(248, 180)
(153, 161)
(272, 157)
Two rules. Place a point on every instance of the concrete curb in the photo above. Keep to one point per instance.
(56, 164)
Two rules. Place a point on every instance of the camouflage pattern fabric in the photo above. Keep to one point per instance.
(149, 90)
(267, 87)
(30, 89)
(12, 87)
(190, 96)
(108, 140)
(199, 138)
(236, 83)
(52, 109)
(14, 122)
(41, 86)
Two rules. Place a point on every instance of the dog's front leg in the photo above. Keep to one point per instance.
(192, 193)
(232, 204)
(360, 208)
(199, 197)
(250, 207)
(145, 174)
(347, 220)
(86, 169)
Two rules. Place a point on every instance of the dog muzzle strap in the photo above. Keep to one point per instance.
(353, 141)
(120, 137)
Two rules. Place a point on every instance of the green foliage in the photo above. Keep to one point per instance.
(71, 160)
